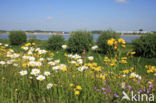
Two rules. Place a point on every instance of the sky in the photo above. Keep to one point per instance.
(70, 15)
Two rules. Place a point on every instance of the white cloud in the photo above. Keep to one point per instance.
(121, 1)
(49, 17)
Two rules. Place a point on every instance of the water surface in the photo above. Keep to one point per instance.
(127, 38)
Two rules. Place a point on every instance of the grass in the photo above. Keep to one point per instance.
(101, 82)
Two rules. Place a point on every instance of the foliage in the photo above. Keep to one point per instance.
(79, 41)
(32, 38)
(35, 75)
(145, 45)
(55, 42)
(102, 41)
(17, 37)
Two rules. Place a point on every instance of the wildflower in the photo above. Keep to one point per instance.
(90, 58)
(133, 53)
(116, 95)
(23, 72)
(126, 71)
(2, 62)
(49, 59)
(151, 86)
(94, 47)
(35, 72)
(6, 45)
(33, 44)
(82, 68)
(57, 61)
(132, 69)
(15, 64)
(71, 84)
(79, 87)
(77, 92)
(32, 58)
(103, 89)
(64, 69)
(46, 73)
(41, 59)
(80, 61)
(25, 48)
(105, 92)
(111, 41)
(140, 91)
(123, 45)
(49, 85)
(64, 46)
(51, 63)
(40, 77)
(9, 62)
(124, 75)
(120, 40)
(148, 91)
(123, 85)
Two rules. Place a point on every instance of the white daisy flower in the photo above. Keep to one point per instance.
(23, 72)
(64, 46)
(94, 47)
(40, 77)
(35, 72)
(46, 73)
(49, 85)
(90, 58)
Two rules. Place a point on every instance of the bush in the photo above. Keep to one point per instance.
(102, 41)
(79, 41)
(32, 39)
(55, 42)
(145, 45)
(17, 37)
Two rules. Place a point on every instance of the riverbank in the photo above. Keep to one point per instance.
(40, 33)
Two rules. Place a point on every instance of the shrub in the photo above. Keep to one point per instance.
(102, 41)
(17, 37)
(32, 38)
(145, 45)
(55, 42)
(79, 41)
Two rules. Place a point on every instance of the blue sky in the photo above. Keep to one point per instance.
(68, 15)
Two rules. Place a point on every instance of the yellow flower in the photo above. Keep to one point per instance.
(97, 68)
(126, 71)
(102, 77)
(24, 65)
(133, 53)
(123, 45)
(123, 61)
(16, 89)
(132, 69)
(79, 87)
(71, 84)
(55, 85)
(112, 64)
(120, 40)
(64, 69)
(110, 42)
(65, 54)
(115, 47)
(28, 44)
(33, 43)
(124, 58)
(77, 92)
